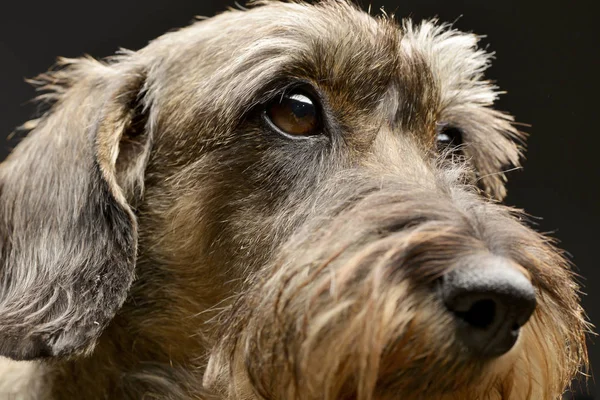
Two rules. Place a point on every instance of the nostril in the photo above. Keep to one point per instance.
(480, 315)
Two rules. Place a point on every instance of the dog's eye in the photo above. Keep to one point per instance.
(294, 113)
(448, 137)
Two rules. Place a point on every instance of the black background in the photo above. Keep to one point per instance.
(546, 58)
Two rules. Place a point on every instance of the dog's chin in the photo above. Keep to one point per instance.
(448, 370)
(456, 375)
(411, 372)
(526, 371)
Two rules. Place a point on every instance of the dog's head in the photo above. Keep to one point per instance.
(323, 172)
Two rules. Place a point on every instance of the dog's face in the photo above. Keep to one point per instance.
(316, 174)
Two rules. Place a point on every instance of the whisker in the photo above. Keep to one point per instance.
(499, 172)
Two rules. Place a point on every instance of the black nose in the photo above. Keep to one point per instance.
(492, 300)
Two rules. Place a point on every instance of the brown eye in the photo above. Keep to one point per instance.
(295, 114)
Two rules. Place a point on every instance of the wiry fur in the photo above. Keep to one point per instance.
(269, 268)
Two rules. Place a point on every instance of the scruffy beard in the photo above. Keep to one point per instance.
(347, 309)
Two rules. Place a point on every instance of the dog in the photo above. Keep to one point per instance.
(294, 201)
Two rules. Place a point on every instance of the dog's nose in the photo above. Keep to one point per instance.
(492, 300)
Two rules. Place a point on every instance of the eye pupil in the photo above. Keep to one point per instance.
(294, 114)
(449, 137)
(301, 106)
(444, 138)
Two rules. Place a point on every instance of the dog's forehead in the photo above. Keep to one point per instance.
(236, 59)
(333, 45)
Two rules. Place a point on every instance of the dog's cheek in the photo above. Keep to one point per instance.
(273, 180)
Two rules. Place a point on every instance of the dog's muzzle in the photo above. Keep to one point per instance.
(491, 299)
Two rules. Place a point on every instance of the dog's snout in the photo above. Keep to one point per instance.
(491, 300)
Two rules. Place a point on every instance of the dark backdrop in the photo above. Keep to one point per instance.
(546, 58)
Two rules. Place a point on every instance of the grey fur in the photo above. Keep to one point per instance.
(267, 267)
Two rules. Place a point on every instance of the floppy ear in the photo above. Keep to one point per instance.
(67, 230)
